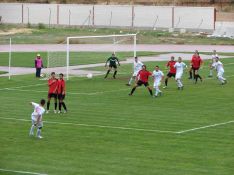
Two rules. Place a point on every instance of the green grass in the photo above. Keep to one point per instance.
(58, 35)
(73, 149)
(26, 59)
(3, 72)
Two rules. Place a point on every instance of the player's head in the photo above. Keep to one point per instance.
(216, 59)
(157, 68)
(42, 102)
(172, 58)
(61, 76)
(179, 59)
(52, 74)
(214, 51)
(38, 55)
(113, 54)
(136, 59)
(144, 67)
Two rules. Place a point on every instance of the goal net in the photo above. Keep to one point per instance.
(82, 55)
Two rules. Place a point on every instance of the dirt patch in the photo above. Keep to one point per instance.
(16, 31)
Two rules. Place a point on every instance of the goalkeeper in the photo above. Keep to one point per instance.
(112, 64)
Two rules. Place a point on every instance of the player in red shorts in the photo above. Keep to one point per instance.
(53, 85)
(61, 93)
(196, 63)
(172, 70)
(142, 78)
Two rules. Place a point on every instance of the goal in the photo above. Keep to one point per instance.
(83, 52)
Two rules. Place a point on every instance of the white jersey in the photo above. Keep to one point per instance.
(137, 66)
(219, 66)
(213, 57)
(38, 111)
(180, 67)
(158, 75)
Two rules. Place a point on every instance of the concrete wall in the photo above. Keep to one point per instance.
(110, 15)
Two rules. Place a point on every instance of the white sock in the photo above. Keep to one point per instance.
(130, 81)
(180, 82)
(211, 72)
(221, 79)
(38, 132)
(32, 130)
(156, 91)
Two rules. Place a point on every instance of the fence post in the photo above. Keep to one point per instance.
(58, 14)
(93, 18)
(173, 17)
(133, 15)
(22, 21)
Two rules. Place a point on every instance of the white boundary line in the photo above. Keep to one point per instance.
(203, 127)
(21, 172)
(18, 87)
(97, 126)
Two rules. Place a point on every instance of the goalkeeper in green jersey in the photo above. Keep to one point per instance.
(113, 60)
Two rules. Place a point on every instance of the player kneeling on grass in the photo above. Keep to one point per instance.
(158, 77)
(220, 71)
(37, 118)
(179, 72)
(52, 83)
(112, 64)
(61, 93)
(142, 78)
(137, 67)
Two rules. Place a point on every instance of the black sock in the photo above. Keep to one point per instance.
(60, 105)
(55, 105)
(199, 77)
(107, 73)
(151, 92)
(115, 73)
(166, 81)
(133, 89)
(48, 106)
(190, 74)
(64, 106)
(195, 77)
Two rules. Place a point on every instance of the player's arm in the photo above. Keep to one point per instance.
(35, 62)
(107, 61)
(64, 88)
(33, 104)
(56, 88)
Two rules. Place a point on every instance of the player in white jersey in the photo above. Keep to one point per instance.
(137, 67)
(212, 62)
(158, 76)
(37, 118)
(220, 71)
(179, 65)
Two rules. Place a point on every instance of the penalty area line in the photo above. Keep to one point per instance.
(21, 172)
(203, 127)
(96, 126)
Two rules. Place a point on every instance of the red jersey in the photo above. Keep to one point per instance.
(52, 83)
(61, 86)
(196, 61)
(143, 75)
(171, 65)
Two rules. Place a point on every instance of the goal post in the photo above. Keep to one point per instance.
(112, 49)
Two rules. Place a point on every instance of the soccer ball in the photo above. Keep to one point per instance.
(42, 75)
(89, 75)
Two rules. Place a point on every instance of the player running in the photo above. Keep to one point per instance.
(179, 72)
(195, 64)
(220, 71)
(37, 118)
(158, 77)
(112, 64)
(52, 93)
(212, 62)
(142, 78)
(61, 93)
(172, 70)
(137, 67)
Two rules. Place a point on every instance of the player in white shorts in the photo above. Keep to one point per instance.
(37, 118)
(212, 62)
(220, 71)
(179, 65)
(158, 76)
(137, 67)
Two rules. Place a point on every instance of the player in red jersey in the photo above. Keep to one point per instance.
(61, 93)
(52, 93)
(172, 70)
(142, 78)
(196, 63)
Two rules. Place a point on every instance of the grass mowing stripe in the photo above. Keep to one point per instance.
(97, 126)
(21, 172)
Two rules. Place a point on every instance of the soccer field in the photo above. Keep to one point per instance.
(105, 131)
